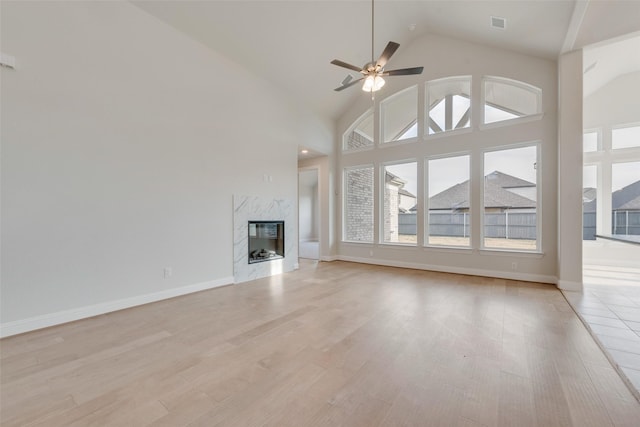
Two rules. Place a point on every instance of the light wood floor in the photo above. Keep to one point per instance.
(337, 344)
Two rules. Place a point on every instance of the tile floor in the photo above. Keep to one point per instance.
(610, 308)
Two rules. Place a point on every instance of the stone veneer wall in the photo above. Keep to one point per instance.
(253, 208)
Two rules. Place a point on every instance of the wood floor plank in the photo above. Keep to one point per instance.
(331, 344)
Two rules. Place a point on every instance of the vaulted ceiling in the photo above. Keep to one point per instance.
(290, 43)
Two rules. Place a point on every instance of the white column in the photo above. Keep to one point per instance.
(570, 166)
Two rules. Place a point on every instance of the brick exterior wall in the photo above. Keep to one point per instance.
(358, 226)
(391, 203)
(356, 140)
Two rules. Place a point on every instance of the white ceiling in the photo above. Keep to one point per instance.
(290, 43)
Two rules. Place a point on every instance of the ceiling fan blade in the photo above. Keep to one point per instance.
(404, 71)
(344, 86)
(345, 65)
(347, 79)
(386, 54)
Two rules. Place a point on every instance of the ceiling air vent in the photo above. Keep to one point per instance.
(498, 22)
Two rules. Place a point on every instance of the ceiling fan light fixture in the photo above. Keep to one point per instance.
(373, 83)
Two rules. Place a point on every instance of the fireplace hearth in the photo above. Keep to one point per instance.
(266, 241)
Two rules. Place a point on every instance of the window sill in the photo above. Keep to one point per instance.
(467, 250)
(510, 252)
(398, 245)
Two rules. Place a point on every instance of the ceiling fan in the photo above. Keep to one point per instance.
(372, 72)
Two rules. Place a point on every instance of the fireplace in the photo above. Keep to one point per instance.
(266, 241)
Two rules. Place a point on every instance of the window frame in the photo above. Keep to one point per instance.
(539, 167)
(624, 126)
(598, 132)
(381, 188)
(445, 132)
(427, 197)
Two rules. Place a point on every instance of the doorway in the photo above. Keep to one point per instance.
(308, 214)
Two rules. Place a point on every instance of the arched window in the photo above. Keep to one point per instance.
(399, 115)
(360, 134)
(448, 104)
(506, 99)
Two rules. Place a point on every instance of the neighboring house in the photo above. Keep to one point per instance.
(625, 211)
(623, 200)
(502, 192)
(396, 200)
(407, 200)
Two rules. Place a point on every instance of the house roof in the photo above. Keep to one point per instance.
(633, 204)
(457, 197)
(406, 193)
(627, 198)
(394, 179)
(504, 180)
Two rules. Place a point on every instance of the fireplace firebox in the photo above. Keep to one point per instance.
(266, 241)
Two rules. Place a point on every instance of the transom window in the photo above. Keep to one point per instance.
(448, 104)
(399, 114)
(360, 135)
(506, 99)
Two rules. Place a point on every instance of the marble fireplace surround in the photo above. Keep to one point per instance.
(254, 208)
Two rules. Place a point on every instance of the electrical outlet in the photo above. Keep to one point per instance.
(167, 272)
(371, 253)
(514, 266)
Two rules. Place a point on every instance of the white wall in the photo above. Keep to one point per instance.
(443, 57)
(122, 144)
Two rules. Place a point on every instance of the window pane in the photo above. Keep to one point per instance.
(590, 142)
(399, 115)
(625, 137)
(448, 104)
(510, 196)
(358, 204)
(360, 135)
(399, 203)
(448, 192)
(625, 198)
(589, 202)
(506, 99)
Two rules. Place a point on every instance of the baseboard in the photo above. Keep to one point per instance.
(567, 285)
(329, 258)
(525, 277)
(44, 321)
